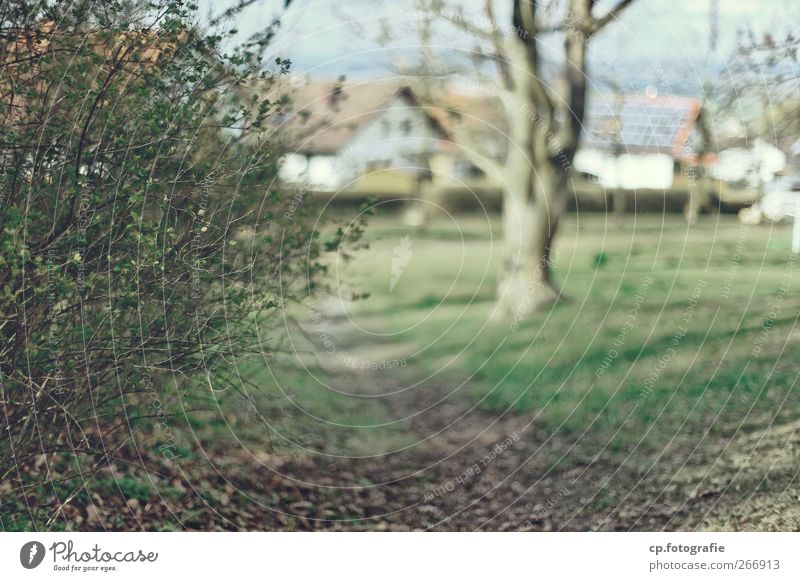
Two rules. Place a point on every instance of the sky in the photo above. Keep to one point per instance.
(661, 42)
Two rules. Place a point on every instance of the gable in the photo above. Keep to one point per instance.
(400, 122)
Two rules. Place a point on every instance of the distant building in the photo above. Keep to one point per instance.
(750, 163)
(641, 141)
(340, 133)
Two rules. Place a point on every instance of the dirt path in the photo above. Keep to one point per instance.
(454, 467)
(466, 469)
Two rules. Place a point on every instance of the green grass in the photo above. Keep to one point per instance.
(577, 371)
(693, 366)
(706, 378)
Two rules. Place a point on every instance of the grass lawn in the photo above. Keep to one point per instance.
(671, 334)
(667, 378)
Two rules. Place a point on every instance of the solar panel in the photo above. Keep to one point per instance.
(638, 124)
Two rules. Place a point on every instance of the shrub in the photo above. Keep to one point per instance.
(140, 234)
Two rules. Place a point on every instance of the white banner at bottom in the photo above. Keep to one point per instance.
(389, 556)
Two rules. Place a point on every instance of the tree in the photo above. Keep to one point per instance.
(544, 120)
(141, 238)
(761, 84)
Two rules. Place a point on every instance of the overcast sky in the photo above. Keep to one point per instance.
(667, 39)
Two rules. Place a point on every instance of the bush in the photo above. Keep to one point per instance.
(140, 235)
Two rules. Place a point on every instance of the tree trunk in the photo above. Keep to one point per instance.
(547, 141)
(420, 209)
(525, 281)
(697, 192)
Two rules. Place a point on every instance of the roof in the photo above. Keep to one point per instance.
(328, 114)
(23, 53)
(641, 124)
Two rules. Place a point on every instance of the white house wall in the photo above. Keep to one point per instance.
(398, 138)
(760, 163)
(401, 136)
(293, 168)
(627, 171)
(324, 172)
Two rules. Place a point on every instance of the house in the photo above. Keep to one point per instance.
(642, 141)
(338, 134)
(341, 134)
(25, 49)
(751, 165)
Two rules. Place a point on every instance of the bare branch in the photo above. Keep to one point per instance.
(237, 9)
(458, 20)
(470, 147)
(599, 23)
(571, 100)
(523, 55)
(497, 42)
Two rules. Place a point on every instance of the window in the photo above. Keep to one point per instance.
(405, 127)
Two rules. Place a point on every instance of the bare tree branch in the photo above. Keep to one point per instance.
(599, 23)
(458, 20)
(471, 147)
(525, 63)
(500, 57)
